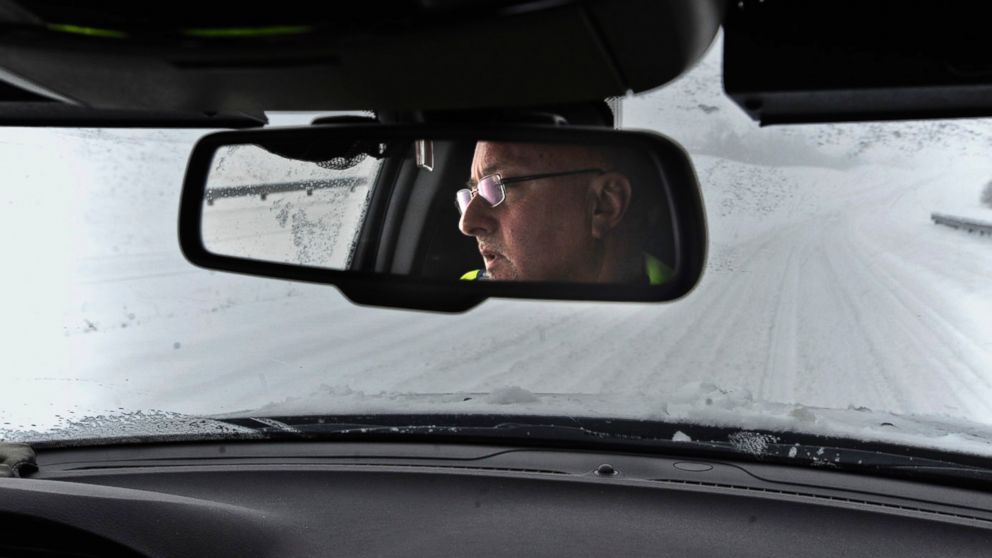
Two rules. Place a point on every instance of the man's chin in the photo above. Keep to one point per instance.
(500, 269)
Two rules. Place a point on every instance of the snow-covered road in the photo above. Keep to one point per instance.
(835, 292)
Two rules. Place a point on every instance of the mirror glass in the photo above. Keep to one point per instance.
(265, 206)
(464, 210)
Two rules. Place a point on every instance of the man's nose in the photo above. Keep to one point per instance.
(478, 219)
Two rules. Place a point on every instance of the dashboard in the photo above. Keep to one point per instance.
(393, 499)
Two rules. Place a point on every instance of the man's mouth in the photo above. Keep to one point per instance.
(498, 266)
(490, 255)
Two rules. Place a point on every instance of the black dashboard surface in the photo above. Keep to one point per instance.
(360, 499)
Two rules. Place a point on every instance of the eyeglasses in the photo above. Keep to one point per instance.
(492, 188)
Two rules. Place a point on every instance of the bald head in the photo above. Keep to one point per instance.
(506, 158)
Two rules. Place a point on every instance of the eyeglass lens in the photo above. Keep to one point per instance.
(489, 188)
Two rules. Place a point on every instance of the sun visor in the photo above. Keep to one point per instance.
(412, 55)
(788, 62)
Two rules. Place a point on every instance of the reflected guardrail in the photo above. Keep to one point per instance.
(263, 190)
(970, 225)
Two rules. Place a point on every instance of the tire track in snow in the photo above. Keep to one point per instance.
(706, 321)
(645, 358)
(954, 341)
(923, 333)
(738, 355)
(902, 355)
(778, 382)
(901, 254)
(577, 367)
(865, 369)
(484, 351)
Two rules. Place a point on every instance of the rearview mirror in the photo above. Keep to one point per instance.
(442, 217)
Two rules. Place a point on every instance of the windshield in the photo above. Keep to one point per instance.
(842, 296)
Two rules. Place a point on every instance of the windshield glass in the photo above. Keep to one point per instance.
(844, 295)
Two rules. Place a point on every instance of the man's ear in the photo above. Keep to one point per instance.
(610, 198)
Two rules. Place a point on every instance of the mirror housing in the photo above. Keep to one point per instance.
(376, 273)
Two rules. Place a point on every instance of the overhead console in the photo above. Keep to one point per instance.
(228, 57)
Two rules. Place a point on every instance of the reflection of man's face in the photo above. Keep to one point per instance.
(542, 232)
